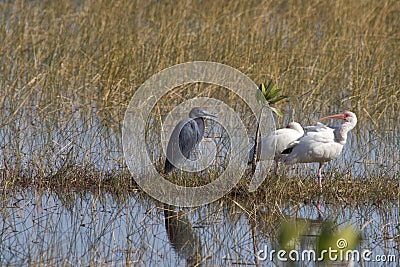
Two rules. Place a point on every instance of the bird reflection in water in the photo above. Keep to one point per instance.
(182, 236)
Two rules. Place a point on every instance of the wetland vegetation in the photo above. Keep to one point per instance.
(70, 68)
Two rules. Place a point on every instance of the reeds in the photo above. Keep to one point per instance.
(69, 70)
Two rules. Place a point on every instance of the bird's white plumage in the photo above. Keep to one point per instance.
(274, 143)
(321, 143)
(318, 127)
(316, 145)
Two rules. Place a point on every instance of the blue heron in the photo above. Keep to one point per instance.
(186, 135)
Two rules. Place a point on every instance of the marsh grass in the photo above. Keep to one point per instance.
(69, 69)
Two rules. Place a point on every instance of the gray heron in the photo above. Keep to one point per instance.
(186, 135)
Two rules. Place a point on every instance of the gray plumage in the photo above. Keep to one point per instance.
(186, 135)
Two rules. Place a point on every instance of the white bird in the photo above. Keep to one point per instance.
(321, 143)
(272, 145)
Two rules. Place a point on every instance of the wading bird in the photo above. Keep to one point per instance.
(321, 143)
(272, 145)
(186, 135)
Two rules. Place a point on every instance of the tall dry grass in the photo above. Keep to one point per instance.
(69, 69)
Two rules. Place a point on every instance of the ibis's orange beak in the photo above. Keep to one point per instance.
(337, 116)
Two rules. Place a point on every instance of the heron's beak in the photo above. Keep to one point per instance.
(205, 113)
(337, 116)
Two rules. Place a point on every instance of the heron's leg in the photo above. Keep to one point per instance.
(320, 176)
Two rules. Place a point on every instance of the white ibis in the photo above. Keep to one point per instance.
(274, 143)
(321, 143)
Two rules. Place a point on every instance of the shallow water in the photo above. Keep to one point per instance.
(88, 141)
(67, 74)
(85, 229)
(47, 229)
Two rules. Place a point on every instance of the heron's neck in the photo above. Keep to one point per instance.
(200, 124)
